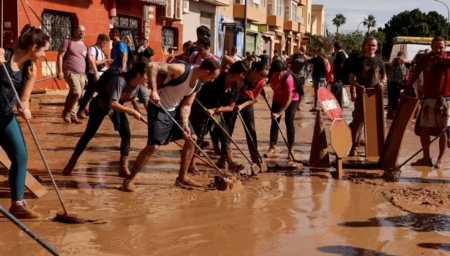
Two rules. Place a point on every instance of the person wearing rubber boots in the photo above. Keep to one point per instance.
(219, 97)
(31, 46)
(176, 95)
(434, 114)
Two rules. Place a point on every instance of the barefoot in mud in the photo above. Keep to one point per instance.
(187, 182)
(271, 152)
(439, 164)
(423, 162)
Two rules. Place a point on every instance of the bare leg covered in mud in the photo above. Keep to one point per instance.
(146, 153)
(186, 157)
(426, 141)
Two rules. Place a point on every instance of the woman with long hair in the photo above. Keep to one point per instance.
(219, 97)
(253, 86)
(115, 90)
(31, 45)
(285, 99)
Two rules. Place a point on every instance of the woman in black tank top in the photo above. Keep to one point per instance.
(32, 44)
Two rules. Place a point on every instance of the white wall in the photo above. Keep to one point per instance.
(191, 21)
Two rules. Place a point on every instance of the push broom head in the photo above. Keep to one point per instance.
(392, 174)
(226, 183)
(74, 219)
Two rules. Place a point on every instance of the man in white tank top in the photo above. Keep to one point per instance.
(176, 94)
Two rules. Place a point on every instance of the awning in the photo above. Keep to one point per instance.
(157, 2)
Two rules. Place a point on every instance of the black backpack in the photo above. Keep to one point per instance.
(110, 73)
(298, 82)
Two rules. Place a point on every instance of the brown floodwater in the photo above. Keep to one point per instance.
(299, 213)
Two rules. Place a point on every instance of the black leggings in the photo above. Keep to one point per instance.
(289, 115)
(96, 116)
(248, 114)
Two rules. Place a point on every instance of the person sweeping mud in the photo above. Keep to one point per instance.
(434, 113)
(117, 90)
(253, 85)
(285, 99)
(31, 45)
(219, 97)
(176, 95)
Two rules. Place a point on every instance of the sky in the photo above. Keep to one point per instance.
(356, 10)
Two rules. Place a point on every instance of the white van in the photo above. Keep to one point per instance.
(411, 46)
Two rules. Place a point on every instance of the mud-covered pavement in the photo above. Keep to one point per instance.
(275, 214)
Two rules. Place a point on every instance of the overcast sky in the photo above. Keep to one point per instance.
(356, 10)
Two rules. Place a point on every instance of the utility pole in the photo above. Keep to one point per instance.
(245, 27)
(448, 17)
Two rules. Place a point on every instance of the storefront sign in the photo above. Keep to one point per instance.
(263, 28)
(305, 40)
(230, 26)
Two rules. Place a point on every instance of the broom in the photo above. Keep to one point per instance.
(60, 217)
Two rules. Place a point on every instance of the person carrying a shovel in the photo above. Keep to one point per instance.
(31, 45)
(434, 113)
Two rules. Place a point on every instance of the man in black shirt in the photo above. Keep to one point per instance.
(368, 71)
(338, 63)
(264, 58)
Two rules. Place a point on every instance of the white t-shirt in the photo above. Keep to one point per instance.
(97, 54)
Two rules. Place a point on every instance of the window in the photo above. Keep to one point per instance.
(58, 26)
(239, 2)
(294, 11)
(168, 37)
(278, 7)
(287, 11)
(128, 26)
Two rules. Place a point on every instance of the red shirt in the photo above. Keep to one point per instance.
(436, 75)
(250, 92)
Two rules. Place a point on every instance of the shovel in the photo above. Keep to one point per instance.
(393, 174)
(263, 164)
(254, 167)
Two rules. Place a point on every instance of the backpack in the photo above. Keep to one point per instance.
(298, 82)
(148, 53)
(327, 65)
(100, 85)
(99, 67)
(86, 60)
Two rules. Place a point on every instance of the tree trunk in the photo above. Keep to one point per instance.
(337, 30)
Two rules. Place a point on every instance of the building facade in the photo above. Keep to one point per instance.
(318, 20)
(271, 25)
(136, 18)
(201, 13)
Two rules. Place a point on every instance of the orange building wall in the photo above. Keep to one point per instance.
(94, 15)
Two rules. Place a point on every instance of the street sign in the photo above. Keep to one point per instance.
(329, 104)
(305, 40)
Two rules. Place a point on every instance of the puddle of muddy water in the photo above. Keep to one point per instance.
(277, 214)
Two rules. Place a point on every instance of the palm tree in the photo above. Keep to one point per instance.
(338, 21)
(370, 22)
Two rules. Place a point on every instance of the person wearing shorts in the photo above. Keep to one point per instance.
(434, 114)
(176, 95)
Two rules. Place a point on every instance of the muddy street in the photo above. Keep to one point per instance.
(305, 212)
